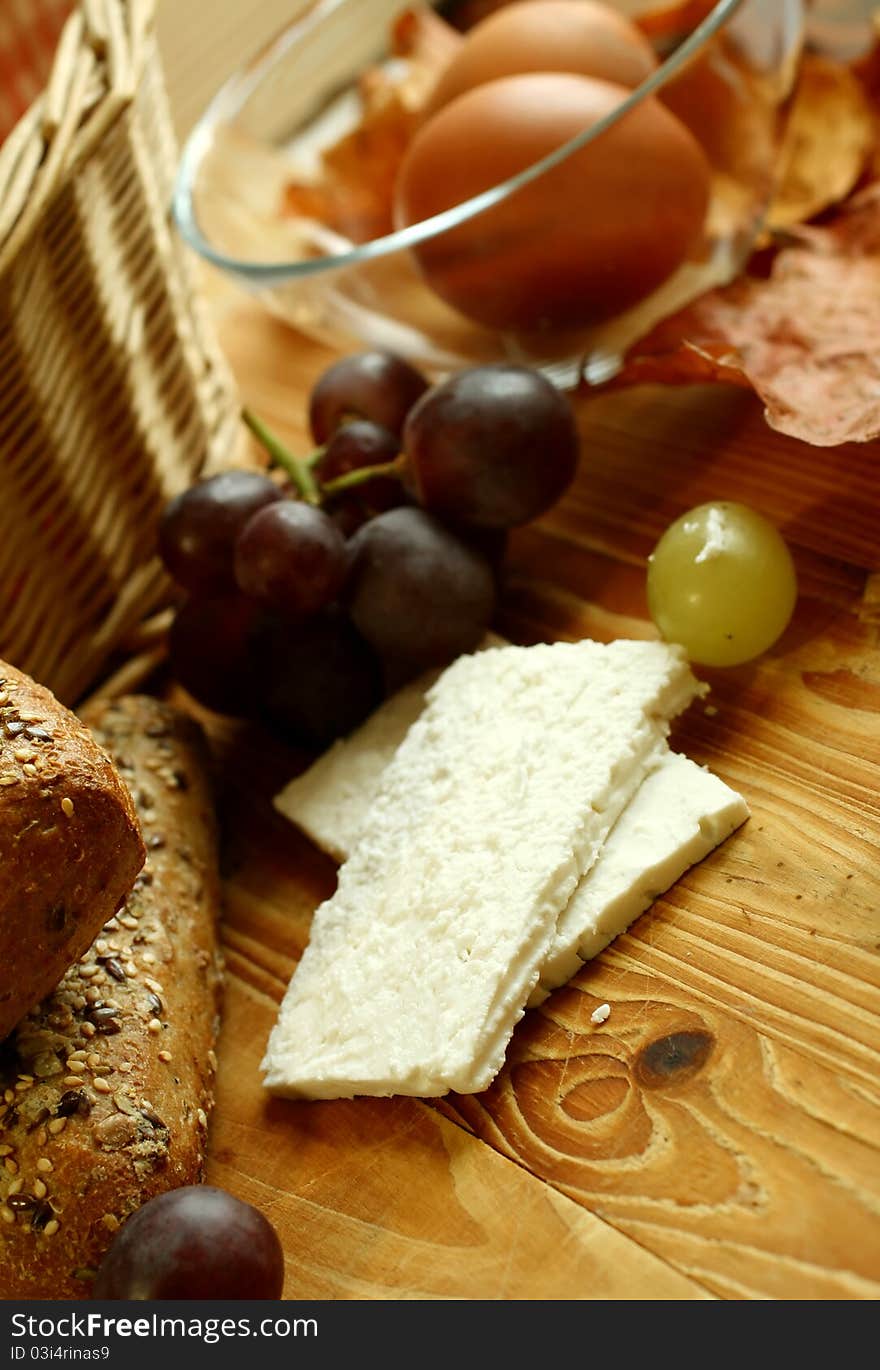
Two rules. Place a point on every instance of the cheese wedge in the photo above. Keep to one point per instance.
(497, 801)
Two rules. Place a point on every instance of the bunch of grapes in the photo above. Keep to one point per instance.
(306, 603)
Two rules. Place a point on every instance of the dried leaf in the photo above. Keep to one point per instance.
(807, 339)
(426, 39)
(354, 193)
(668, 360)
(830, 136)
(307, 202)
(360, 170)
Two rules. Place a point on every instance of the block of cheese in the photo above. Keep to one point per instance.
(679, 813)
(497, 801)
(330, 800)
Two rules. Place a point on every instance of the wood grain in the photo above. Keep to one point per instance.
(375, 1198)
(749, 1159)
(726, 1118)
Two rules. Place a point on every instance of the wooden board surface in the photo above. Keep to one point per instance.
(718, 1136)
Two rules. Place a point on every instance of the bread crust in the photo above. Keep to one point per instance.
(70, 843)
(106, 1087)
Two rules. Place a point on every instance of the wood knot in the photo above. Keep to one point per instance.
(672, 1059)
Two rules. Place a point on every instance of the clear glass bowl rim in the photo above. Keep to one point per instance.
(235, 91)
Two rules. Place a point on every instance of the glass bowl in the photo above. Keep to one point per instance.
(250, 198)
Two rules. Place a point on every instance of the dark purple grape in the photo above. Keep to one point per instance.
(318, 679)
(193, 1243)
(356, 445)
(352, 447)
(210, 647)
(198, 528)
(491, 542)
(292, 557)
(418, 595)
(368, 385)
(494, 446)
(348, 515)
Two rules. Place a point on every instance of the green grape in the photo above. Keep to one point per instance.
(722, 583)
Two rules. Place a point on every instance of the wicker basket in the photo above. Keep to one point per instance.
(113, 393)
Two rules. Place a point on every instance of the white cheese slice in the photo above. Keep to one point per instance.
(498, 799)
(680, 813)
(332, 798)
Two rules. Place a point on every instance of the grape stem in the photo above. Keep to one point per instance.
(361, 474)
(299, 471)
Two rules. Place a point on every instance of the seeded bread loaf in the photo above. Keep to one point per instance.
(106, 1087)
(70, 846)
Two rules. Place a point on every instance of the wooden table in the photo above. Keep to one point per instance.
(717, 1136)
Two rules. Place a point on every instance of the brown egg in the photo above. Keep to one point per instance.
(713, 97)
(578, 36)
(582, 242)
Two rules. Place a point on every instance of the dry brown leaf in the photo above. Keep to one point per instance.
(426, 39)
(355, 193)
(807, 339)
(829, 139)
(360, 170)
(664, 358)
(307, 202)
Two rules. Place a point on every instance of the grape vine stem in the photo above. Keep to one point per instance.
(299, 471)
(361, 474)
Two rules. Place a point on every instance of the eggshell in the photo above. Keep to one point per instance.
(577, 36)
(714, 98)
(585, 240)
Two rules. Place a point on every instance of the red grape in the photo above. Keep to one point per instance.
(193, 1243)
(416, 592)
(291, 556)
(289, 622)
(211, 647)
(490, 542)
(198, 529)
(356, 445)
(368, 385)
(348, 515)
(494, 446)
(352, 447)
(318, 679)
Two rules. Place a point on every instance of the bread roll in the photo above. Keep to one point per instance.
(106, 1087)
(70, 846)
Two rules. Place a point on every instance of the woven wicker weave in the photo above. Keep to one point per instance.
(113, 394)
